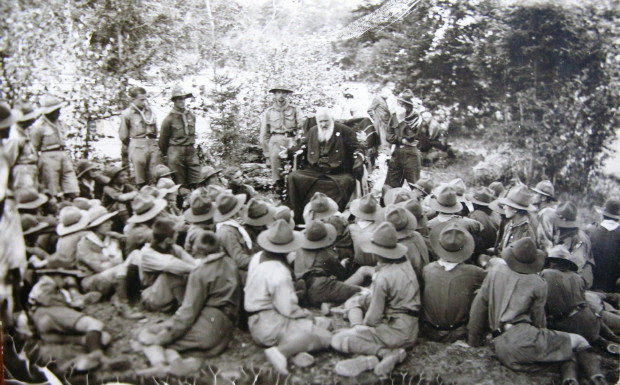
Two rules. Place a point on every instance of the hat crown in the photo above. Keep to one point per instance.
(402, 196)
(558, 251)
(257, 209)
(207, 171)
(414, 207)
(82, 203)
(200, 204)
(161, 170)
(70, 215)
(149, 190)
(316, 231)
(612, 206)
(112, 171)
(484, 194)
(280, 233)
(447, 196)
(546, 187)
(225, 203)
(179, 91)
(498, 187)
(424, 184)
(319, 203)
(524, 250)
(368, 204)
(83, 165)
(397, 217)
(283, 212)
(49, 101)
(567, 211)
(27, 195)
(165, 183)
(97, 212)
(213, 191)
(452, 238)
(519, 195)
(406, 96)
(385, 236)
(458, 185)
(142, 203)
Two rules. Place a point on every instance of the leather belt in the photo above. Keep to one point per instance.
(448, 328)
(54, 148)
(145, 137)
(290, 134)
(412, 313)
(503, 329)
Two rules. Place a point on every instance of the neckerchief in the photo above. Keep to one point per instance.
(447, 266)
(148, 122)
(610, 225)
(183, 116)
(241, 229)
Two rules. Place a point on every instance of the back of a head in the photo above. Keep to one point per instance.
(206, 242)
(163, 228)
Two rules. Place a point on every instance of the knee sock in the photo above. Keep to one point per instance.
(92, 341)
(303, 343)
(121, 289)
(132, 281)
(356, 316)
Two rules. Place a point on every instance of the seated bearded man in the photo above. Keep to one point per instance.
(332, 159)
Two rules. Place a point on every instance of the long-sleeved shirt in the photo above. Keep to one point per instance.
(395, 290)
(66, 248)
(507, 297)
(578, 243)
(236, 244)
(45, 135)
(566, 291)
(515, 230)
(276, 119)
(447, 295)
(137, 125)
(320, 262)
(487, 237)
(417, 252)
(175, 261)
(96, 255)
(214, 283)
(177, 129)
(19, 148)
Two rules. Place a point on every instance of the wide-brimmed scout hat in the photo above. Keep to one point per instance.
(82, 203)
(161, 170)
(72, 220)
(98, 215)
(560, 254)
(396, 195)
(150, 190)
(145, 208)
(284, 212)
(384, 242)
(414, 207)
(258, 213)
(28, 112)
(227, 205)
(179, 92)
(7, 116)
(50, 103)
(166, 186)
(214, 190)
(519, 198)
(113, 171)
(201, 208)
(403, 220)
(498, 187)
(482, 196)
(523, 257)
(566, 216)
(406, 97)
(28, 198)
(280, 238)
(497, 207)
(459, 186)
(611, 209)
(446, 201)
(425, 185)
(451, 242)
(207, 172)
(320, 207)
(31, 225)
(365, 207)
(280, 87)
(319, 235)
(545, 187)
(83, 166)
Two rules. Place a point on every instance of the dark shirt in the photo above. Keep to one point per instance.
(566, 290)
(606, 251)
(177, 129)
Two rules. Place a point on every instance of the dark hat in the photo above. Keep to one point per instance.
(179, 92)
(164, 227)
(425, 185)
(72, 220)
(445, 201)
(7, 116)
(482, 196)
(560, 254)
(201, 208)
(258, 213)
(397, 195)
(98, 215)
(145, 208)
(406, 97)
(384, 242)
(545, 187)
(498, 187)
(320, 207)
(523, 257)
(161, 170)
(566, 216)
(83, 166)
(280, 238)
(280, 87)
(404, 222)
(50, 103)
(31, 225)
(112, 172)
(227, 205)
(518, 198)
(365, 207)
(452, 242)
(28, 112)
(207, 172)
(611, 209)
(319, 235)
(28, 198)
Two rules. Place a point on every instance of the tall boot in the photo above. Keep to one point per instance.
(568, 370)
(133, 283)
(590, 363)
(356, 316)
(121, 302)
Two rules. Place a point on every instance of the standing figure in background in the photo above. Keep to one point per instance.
(22, 155)
(380, 114)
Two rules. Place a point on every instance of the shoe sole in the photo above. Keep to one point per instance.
(389, 363)
(359, 365)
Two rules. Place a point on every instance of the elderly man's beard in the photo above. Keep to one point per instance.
(326, 133)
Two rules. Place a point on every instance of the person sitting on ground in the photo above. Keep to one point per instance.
(209, 176)
(161, 171)
(164, 267)
(511, 303)
(235, 240)
(72, 228)
(567, 309)
(199, 216)
(414, 206)
(170, 193)
(449, 284)
(367, 212)
(391, 321)
(448, 206)
(207, 316)
(605, 240)
(320, 207)
(276, 320)
(486, 238)
(515, 205)
(145, 209)
(37, 257)
(99, 254)
(236, 184)
(544, 199)
(256, 215)
(327, 282)
(117, 196)
(90, 180)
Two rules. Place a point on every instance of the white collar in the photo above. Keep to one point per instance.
(447, 266)
(610, 225)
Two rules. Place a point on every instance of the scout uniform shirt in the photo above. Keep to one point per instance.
(137, 124)
(177, 129)
(279, 120)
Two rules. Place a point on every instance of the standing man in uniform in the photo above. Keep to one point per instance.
(177, 139)
(278, 128)
(138, 131)
(47, 136)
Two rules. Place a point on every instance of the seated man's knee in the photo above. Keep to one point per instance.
(88, 324)
(578, 342)
(340, 341)
(367, 271)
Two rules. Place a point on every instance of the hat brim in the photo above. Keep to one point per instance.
(161, 194)
(29, 116)
(601, 210)
(451, 256)
(524, 268)
(210, 175)
(472, 199)
(82, 224)
(494, 205)
(87, 169)
(40, 201)
(567, 262)
(281, 89)
(331, 210)
(264, 220)
(158, 206)
(327, 241)
(182, 96)
(543, 193)
(435, 205)
(101, 219)
(52, 108)
(419, 188)
(563, 224)
(396, 252)
(219, 217)
(515, 205)
(10, 120)
(61, 271)
(405, 101)
(355, 210)
(295, 244)
(38, 227)
(192, 218)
